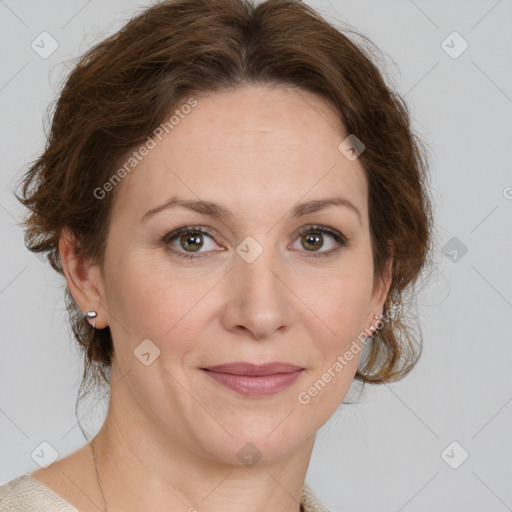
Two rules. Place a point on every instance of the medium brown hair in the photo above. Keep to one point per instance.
(123, 88)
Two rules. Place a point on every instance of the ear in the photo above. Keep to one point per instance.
(83, 278)
(381, 285)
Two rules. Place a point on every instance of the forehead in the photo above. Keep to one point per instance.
(246, 148)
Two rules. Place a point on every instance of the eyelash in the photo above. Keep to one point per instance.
(340, 239)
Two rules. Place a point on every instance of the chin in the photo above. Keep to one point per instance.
(254, 440)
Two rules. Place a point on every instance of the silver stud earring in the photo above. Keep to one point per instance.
(373, 328)
(91, 315)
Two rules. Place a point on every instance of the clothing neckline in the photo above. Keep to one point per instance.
(49, 490)
(57, 495)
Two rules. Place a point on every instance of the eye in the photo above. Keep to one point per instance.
(193, 242)
(189, 240)
(313, 238)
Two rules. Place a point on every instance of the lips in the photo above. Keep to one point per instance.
(252, 380)
(255, 370)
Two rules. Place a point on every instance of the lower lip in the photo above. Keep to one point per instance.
(255, 386)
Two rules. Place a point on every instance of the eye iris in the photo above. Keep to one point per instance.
(313, 240)
(193, 242)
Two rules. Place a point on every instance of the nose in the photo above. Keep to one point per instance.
(258, 301)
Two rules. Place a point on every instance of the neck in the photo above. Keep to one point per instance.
(144, 467)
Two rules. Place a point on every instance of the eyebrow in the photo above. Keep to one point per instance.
(216, 210)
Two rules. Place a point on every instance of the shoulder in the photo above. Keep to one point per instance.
(309, 501)
(24, 494)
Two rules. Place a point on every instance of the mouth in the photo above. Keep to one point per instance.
(253, 380)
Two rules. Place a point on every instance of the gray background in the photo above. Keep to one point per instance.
(386, 453)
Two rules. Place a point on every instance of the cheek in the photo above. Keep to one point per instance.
(342, 297)
(342, 306)
(147, 298)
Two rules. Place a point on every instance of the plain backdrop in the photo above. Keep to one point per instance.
(438, 440)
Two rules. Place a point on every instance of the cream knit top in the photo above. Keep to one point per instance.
(26, 494)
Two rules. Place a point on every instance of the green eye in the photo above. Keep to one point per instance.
(313, 239)
(189, 240)
(193, 242)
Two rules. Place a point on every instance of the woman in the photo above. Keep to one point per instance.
(238, 205)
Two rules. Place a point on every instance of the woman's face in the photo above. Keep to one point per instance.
(252, 164)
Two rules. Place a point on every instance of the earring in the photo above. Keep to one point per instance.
(373, 328)
(91, 314)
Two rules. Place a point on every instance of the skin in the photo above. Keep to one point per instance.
(172, 433)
